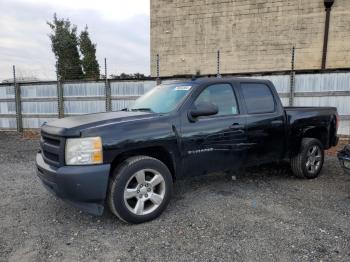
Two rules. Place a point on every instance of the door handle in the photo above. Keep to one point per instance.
(236, 126)
(276, 123)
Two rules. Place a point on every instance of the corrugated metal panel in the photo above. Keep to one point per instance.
(322, 82)
(304, 83)
(7, 91)
(8, 123)
(84, 107)
(84, 89)
(120, 104)
(342, 103)
(285, 101)
(39, 108)
(35, 122)
(344, 128)
(49, 90)
(7, 108)
(281, 82)
(131, 88)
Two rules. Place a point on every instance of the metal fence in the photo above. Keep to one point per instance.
(29, 105)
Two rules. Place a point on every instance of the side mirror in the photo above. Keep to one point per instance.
(202, 109)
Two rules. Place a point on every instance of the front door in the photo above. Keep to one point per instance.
(214, 143)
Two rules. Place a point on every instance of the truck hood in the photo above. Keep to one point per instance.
(72, 126)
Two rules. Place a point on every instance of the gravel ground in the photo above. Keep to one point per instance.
(261, 215)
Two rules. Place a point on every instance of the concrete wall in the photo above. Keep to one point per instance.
(252, 35)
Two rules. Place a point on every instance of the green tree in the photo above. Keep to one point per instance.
(88, 50)
(64, 43)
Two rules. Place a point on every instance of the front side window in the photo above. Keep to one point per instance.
(258, 98)
(222, 96)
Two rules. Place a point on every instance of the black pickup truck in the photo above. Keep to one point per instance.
(129, 159)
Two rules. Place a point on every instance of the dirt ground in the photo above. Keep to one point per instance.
(262, 214)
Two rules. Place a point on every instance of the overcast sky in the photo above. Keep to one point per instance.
(120, 28)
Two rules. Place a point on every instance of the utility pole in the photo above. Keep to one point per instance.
(17, 101)
(107, 90)
(159, 81)
(292, 79)
(218, 64)
(60, 104)
(328, 5)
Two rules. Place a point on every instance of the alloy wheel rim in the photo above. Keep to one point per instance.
(144, 192)
(313, 161)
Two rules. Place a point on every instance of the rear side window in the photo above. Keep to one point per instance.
(258, 98)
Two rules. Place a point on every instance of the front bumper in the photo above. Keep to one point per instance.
(344, 159)
(84, 187)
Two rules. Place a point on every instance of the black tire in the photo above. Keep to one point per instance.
(299, 161)
(121, 177)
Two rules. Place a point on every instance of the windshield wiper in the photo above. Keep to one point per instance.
(142, 109)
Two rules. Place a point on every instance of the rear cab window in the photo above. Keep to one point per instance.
(258, 98)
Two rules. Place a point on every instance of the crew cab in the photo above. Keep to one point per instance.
(130, 159)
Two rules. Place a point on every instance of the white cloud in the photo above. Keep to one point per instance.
(121, 31)
(116, 10)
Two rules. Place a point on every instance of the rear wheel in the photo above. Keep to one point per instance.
(140, 189)
(309, 161)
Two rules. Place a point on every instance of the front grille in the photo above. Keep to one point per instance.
(52, 148)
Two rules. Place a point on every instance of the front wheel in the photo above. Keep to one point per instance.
(140, 189)
(309, 161)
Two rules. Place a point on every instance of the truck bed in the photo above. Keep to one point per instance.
(323, 121)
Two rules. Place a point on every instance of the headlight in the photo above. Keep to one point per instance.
(84, 151)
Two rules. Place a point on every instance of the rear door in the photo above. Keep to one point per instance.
(213, 143)
(265, 122)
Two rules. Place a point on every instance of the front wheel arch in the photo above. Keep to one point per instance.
(157, 152)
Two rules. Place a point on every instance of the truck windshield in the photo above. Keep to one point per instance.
(162, 98)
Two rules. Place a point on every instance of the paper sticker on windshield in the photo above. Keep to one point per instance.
(183, 88)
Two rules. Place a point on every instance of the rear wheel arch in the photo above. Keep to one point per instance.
(319, 133)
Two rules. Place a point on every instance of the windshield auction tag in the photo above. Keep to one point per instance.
(183, 88)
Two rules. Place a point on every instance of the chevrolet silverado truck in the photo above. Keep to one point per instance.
(130, 159)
